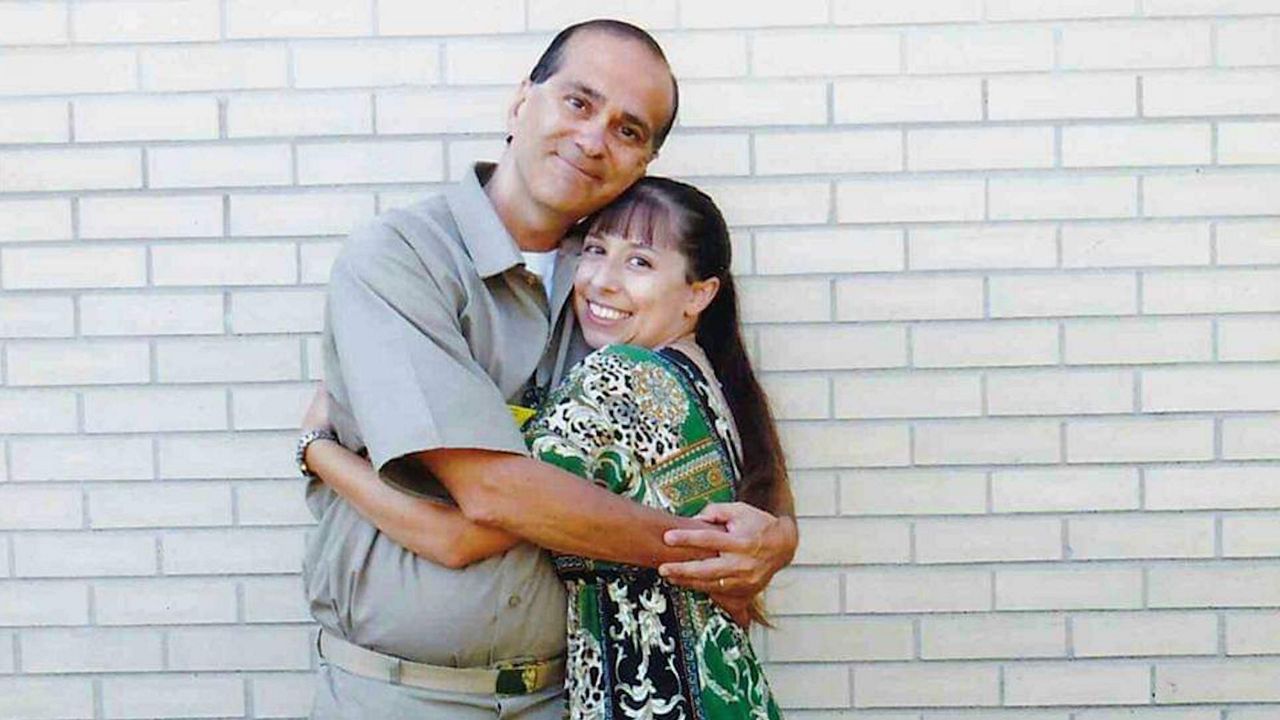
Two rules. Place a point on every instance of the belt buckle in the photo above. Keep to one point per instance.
(518, 677)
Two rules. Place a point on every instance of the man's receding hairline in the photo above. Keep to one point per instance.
(622, 31)
(605, 28)
(616, 33)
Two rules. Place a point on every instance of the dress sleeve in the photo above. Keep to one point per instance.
(619, 413)
(407, 372)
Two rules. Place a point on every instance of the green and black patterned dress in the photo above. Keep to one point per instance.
(645, 424)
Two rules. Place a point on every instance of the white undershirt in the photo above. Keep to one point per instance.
(542, 264)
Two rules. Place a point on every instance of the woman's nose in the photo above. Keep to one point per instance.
(605, 276)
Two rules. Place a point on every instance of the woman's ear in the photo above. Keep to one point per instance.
(704, 291)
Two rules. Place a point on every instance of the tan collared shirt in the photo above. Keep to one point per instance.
(433, 327)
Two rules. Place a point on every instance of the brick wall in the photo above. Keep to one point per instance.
(1012, 270)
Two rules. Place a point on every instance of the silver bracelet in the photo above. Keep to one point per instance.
(304, 442)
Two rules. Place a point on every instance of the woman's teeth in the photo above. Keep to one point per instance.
(607, 313)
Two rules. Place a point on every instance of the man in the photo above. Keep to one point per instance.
(435, 324)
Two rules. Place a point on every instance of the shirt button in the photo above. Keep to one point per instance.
(513, 601)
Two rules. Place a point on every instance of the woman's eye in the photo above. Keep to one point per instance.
(641, 262)
(592, 250)
(576, 102)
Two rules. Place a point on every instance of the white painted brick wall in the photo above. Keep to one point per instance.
(151, 217)
(274, 19)
(267, 115)
(160, 696)
(151, 313)
(153, 601)
(213, 67)
(70, 169)
(755, 103)
(887, 685)
(24, 220)
(1011, 269)
(1126, 634)
(1077, 587)
(1044, 97)
(955, 637)
(1082, 682)
(38, 410)
(34, 121)
(902, 99)
(352, 162)
(111, 118)
(130, 22)
(33, 23)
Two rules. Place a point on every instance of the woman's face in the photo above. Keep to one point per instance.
(637, 294)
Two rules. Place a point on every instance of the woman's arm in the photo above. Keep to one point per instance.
(433, 530)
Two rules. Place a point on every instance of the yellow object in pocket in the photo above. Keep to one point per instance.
(521, 414)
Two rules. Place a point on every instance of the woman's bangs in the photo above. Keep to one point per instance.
(642, 220)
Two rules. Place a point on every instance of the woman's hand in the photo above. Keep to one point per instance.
(317, 414)
(754, 546)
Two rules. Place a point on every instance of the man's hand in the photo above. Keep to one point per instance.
(755, 547)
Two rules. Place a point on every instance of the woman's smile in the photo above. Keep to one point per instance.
(605, 313)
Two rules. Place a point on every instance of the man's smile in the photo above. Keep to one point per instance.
(579, 170)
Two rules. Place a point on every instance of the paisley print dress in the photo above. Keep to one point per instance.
(645, 424)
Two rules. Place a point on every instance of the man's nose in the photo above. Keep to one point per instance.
(590, 138)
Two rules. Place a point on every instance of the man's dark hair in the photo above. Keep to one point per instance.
(553, 56)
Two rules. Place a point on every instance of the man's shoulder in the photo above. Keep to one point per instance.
(424, 232)
(427, 224)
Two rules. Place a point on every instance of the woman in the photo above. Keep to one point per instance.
(667, 412)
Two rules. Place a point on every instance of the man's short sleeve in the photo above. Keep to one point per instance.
(409, 377)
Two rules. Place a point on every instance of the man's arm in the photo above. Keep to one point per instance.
(425, 527)
(558, 510)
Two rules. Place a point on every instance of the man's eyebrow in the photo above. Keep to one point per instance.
(587, 90)
(597, 96)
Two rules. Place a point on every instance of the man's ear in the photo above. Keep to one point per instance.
(517, 104)
(704, 291)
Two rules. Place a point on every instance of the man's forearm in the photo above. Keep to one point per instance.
(555, 509)
(426, 528)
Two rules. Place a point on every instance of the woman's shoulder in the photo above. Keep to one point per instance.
(619, 354)
(632, 374)
(628, 360)
(632, 353)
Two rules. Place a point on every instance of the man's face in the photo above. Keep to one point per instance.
(586, 133)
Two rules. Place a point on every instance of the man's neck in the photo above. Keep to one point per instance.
(533, 227)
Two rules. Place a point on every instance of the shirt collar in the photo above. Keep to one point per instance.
(491, 247)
